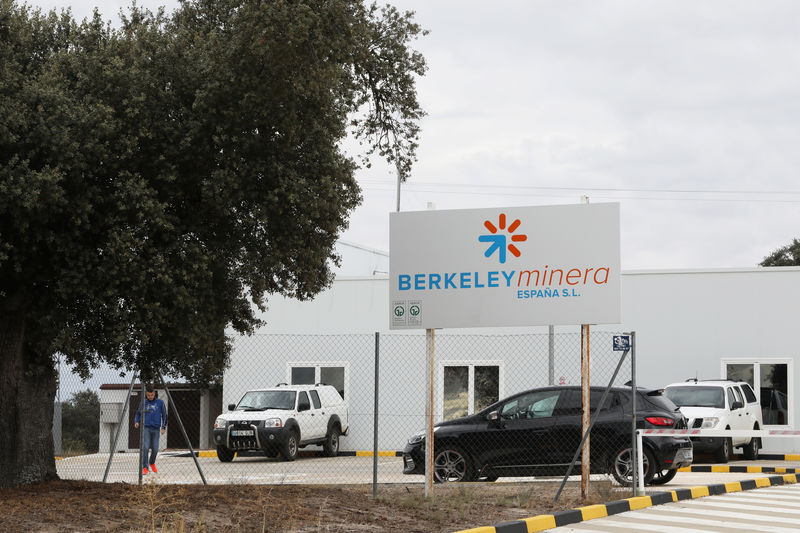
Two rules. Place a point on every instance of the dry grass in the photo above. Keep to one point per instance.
(71, 506)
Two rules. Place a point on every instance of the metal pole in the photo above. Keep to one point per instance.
(183, 430)
(58, 428)
(429, 418)
(585, 384)
(119, 428)
(141, 429)
(375, 421)
(585, 460)
(551, 355)
(634, 447)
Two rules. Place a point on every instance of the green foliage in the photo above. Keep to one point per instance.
(80, 422)
(158, 181)
(788, 255)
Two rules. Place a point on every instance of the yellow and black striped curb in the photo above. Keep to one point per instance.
(725, 469)
(775, 457)
(582, 514)
(213, 453)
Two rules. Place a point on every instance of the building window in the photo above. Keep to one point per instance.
(770, 379)
(310, 373)
(468, 387)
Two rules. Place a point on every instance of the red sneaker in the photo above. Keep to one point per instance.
(153, 468)
(144, 471)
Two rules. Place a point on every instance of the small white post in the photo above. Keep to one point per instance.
(640, 463)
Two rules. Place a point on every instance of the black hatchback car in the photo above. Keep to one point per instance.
(536, 433)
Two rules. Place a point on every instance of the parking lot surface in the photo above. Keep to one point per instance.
(177, 467)
(180, 468)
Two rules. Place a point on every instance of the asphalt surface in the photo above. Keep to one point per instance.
(180, 468)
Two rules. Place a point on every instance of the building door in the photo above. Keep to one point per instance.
(187, 402)
(133, 433)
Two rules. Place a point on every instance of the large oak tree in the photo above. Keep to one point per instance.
(160, 178)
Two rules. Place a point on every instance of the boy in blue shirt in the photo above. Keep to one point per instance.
(155, 419)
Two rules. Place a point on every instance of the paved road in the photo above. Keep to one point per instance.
(180, 468)
(256, 470)
(775, 509)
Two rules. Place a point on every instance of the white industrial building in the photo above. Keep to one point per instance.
(710, 324)
(702, 323)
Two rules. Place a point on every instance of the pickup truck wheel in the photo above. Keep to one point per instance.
(289, 448)
(331, 444)
(751, 449)
(722, 453)
(224, 454)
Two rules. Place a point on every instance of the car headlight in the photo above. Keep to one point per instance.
(273, 423)
(220, 423)
(709, 422)
(416, 437)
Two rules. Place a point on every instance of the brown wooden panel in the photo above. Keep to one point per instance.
(187, 403)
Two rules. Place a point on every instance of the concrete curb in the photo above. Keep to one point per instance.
(582, 514)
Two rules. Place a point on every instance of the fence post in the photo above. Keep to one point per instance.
(551, 355)
(141, 429)
(375, 420)
(585, 414)
(635, 451)
(429, 473)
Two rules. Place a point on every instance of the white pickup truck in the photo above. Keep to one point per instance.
(719, 404)
(281, 420)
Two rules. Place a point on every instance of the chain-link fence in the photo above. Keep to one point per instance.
(513, 403)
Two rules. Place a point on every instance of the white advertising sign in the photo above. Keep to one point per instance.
(515, 266)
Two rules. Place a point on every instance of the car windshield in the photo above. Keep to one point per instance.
(696, 396)
(270, 399)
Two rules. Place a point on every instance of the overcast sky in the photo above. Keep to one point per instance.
(685, 112)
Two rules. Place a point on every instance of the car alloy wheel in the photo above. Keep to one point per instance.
(622, 466)
(451, 464)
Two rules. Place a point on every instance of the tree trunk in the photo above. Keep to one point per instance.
(27, 392)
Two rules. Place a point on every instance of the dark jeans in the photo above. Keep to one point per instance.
(150, 443)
